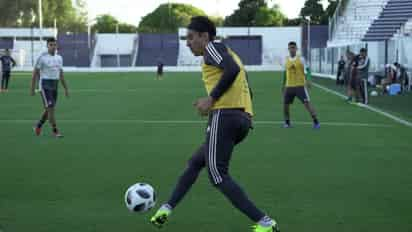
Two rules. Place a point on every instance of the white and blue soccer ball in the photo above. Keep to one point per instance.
(140, 197)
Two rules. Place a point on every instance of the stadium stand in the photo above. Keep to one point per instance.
(393, 16)
(352, 19)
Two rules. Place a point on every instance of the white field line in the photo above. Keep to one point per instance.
(371, 108)
(177, 122)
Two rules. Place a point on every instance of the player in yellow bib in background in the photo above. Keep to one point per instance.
(295, 85)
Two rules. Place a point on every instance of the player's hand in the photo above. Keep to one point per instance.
(203, 105)
(66, 92)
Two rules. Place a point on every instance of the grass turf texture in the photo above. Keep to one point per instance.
(341, 178)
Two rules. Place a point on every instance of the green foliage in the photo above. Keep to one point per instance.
(314, 10)
(107, 24)
(330, 10)
(167, 18)
(293, 22)
(219, 21)
(24, 13)
(269, 17)
(255, 13)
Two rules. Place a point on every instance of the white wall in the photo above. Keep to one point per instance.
(23, 54)
(27, 32)
(110, 44)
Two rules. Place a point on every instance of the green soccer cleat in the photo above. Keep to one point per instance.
(161, 217)
(273, 228)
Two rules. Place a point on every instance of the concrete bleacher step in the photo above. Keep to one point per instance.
(397, 7)
(396, 10)
(374, 30)
(383, 27)
(379, 33)
(400, 14)
(375, 23)
(398, 19)
(377, 37)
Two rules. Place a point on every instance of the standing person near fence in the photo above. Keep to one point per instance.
(363, 69)
(7, 63)
(355, 81)
(341, 72)
(350, 58)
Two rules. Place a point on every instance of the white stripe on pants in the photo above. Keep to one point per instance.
(212, 148)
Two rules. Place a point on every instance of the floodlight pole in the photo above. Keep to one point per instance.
(117, 35)
(40, 19)
(309, 58)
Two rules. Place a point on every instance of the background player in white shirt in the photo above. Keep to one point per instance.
(49, 70)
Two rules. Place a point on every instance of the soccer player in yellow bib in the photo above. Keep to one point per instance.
(229, 107)
(295, 85)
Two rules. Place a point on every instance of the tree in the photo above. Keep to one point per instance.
(127, 28)
(269, 16)
(107, 24)
(245, 15)
(255, 13)
(167, 18)
(24, 13)
(16, 13)
(314, 10)
(218, 21)
(293, 22)
(330, 10)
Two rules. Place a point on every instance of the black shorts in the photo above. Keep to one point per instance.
(49, 97)
(226, 128)
(300, 92)
(6, 74)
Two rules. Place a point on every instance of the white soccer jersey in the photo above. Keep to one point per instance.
(49, 66)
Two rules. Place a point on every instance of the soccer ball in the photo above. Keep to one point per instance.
(140, 197)
(374, 93)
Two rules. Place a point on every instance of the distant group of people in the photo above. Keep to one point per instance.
(395, 74)
(353, 72)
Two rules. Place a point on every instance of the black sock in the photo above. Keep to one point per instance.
(42, 120)
(55, 130)
(40, 123)
(287, 121)
(315, 119)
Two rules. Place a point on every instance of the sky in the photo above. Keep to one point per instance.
(131, 11)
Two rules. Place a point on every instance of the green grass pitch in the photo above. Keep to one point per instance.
(120, 128)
